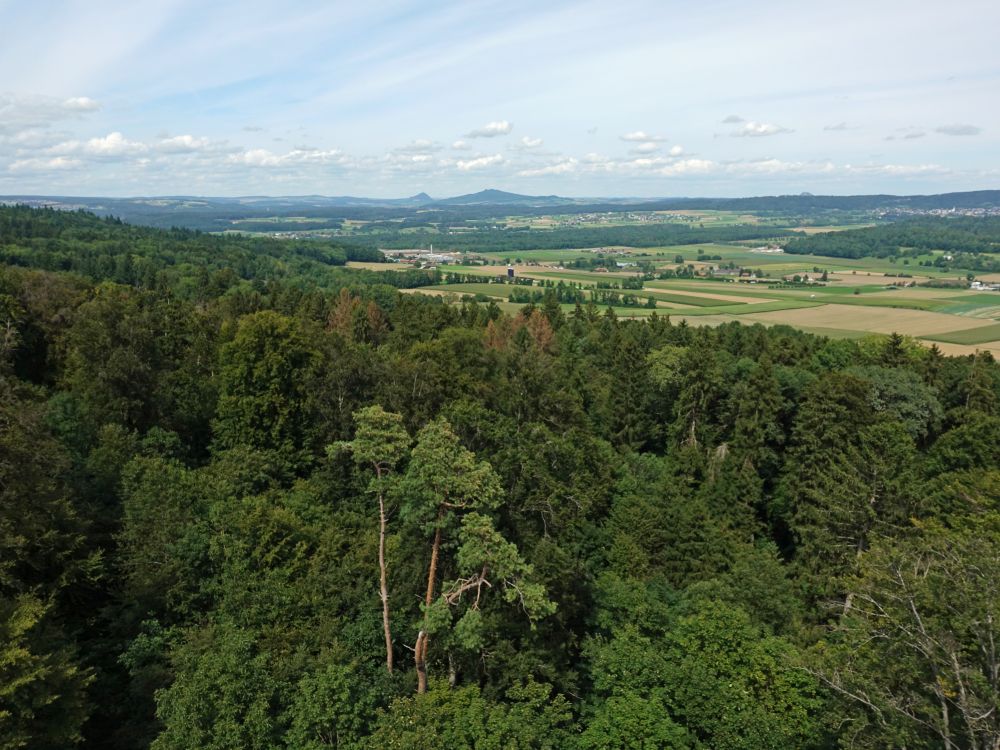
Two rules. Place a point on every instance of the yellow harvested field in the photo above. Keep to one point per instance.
(963, 349)
(373, 266)
(651, 287)
(432, 292)
(870, 319)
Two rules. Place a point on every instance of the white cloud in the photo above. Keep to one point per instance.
(56, 163)
(563, 167)
(688, 166)
(897, 170)
(640, 136)
(19, 112)
(676, 150)
(491, 130)
(460, 146)
(419, 146)
(753, 129)
(260, 157)
(481, 162)
(958, 129)
(110, 146)
(407, 162)
(838, 127)
(81, 104)
(527, 142)
(765, 166)
(180, 144)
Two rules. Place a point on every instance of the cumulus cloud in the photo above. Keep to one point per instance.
(565, 166)
(180, 144)
(18, 113)
(732, 120)
(112, 145)
(641, 136)
(897, 170)
(676, 150)
(260, 157)
(958, 129)
(419, 146)
(81, 104)
(527, 142)
(491, 130)
(53, 164)
(460, 146)
(753, 129)
(688, 166)
(480, 162)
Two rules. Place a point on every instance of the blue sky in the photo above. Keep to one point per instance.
(387, 99)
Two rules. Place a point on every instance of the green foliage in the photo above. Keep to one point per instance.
(532, 719)
(914, 655)
(333, 707)
(265, 376)
(708, 670)
(224, 694)
(43, 699)
(380, 440)
(443, 477)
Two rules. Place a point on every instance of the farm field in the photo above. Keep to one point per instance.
(859, 299)
(975, 335)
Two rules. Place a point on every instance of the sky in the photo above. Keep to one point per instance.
(393, 97)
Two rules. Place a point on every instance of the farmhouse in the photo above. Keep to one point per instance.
(979, 286)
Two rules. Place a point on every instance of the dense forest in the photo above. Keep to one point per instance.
(972, 243)
(253, 499)
(184, 260)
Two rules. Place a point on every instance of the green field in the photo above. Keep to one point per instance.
(970, 336)
(683, 299)
(857, 305)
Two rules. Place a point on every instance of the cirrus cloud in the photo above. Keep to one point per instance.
(958, 129)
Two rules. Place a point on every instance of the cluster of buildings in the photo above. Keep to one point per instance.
(984, 286)
(903, 211)
(420, 257)
(745, 275)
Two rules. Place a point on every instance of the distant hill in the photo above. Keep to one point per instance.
(308, 212)
(502, 198)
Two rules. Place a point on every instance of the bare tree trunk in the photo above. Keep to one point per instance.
(420, 652)
(383, 585)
